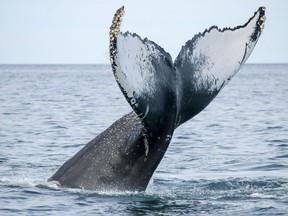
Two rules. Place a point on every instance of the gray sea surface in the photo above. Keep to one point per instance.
(231, 159)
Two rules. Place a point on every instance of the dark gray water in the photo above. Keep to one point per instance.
(232, 159)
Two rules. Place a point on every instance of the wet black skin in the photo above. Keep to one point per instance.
(116, 159)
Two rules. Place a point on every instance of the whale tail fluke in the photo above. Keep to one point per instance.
(162, 92)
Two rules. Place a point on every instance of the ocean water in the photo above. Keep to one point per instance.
(231, 159)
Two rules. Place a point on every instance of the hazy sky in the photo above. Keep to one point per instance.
(76, 31)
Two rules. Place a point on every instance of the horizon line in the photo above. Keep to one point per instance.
(250, 63)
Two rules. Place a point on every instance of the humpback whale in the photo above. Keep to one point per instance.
(163, 95)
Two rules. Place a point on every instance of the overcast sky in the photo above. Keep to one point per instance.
(76, 31)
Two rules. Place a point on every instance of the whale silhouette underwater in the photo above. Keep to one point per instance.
(163, 95)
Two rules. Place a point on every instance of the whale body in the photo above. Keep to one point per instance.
(163, 95)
